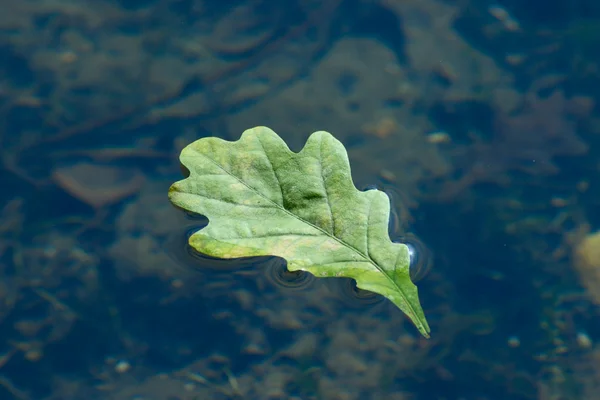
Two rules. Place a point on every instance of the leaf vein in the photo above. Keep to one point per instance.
(238, 204)
(277, 234)
(368, 228)
(272, 169)
(332, 225)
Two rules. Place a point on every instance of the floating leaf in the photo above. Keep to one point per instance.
(263, 199)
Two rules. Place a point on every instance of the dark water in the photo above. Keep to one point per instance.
(479, 119)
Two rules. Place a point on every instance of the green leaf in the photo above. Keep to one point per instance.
(263, 199)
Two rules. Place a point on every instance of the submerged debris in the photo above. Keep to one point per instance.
(98, 185)
(587, 264)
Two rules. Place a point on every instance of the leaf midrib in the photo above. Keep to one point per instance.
(352, 248)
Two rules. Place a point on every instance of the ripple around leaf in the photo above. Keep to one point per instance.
(355, 297)
(421, 258)
(278, 273)
(262, 199)
(179, 250)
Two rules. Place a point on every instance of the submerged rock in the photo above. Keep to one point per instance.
(587, 264)
(98, 185)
